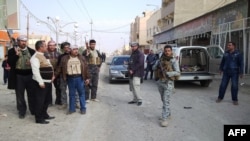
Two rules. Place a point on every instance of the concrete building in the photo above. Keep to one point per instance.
(153, 28)
(138, 30)
(176, 12)
(227, 20)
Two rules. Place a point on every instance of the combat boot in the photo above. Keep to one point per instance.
(164, 123)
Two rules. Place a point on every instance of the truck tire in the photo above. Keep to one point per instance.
(205, 83)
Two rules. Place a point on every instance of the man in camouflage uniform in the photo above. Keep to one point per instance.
(167, 70)
(94, 59)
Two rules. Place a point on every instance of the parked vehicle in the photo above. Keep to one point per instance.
(198, 63)
(118, 68)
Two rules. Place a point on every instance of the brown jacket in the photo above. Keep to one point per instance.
(62, 68)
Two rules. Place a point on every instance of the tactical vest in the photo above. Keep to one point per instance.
(23, 61)
(163, 67)
(94, 59)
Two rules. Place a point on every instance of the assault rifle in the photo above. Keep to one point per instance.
(162, 71)
(12, 40)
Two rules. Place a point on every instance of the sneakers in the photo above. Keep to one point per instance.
(95, 100)
(64, 106)
(164, 123)
(87, 101)
(218, 100)
(139, 103)
(235, 103)
(83, 112)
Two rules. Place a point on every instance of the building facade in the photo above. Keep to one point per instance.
(138, 32)
(5, 42)
(153, 28)
(229, 22)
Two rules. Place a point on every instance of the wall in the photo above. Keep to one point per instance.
(186, 10)
(152, 26)
(143, 28)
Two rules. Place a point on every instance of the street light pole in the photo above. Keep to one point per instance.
(55, 22)
(91, 29)
(57, 26)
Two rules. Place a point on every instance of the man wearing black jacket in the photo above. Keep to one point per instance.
(21, 75)
(136, 72)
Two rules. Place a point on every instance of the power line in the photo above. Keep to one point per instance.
(110, 32)
(37, 19)
(78, 6)
(83, 5)
(114, 28)
(64, 10)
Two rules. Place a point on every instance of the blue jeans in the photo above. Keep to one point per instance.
(76, 83)
(234, 76)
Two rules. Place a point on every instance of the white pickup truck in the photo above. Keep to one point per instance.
(198, 63)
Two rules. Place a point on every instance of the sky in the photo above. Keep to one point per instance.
(111, 19)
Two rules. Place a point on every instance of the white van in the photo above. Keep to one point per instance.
(198, 63)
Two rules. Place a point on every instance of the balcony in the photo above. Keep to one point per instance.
(166, 2)
(167, 10)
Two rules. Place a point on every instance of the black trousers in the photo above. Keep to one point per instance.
(24, 82)
(149, 69)
(42, 100)
(56, 82)
(5, 76)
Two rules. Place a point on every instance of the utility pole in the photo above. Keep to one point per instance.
(28, 27)
(91, 29)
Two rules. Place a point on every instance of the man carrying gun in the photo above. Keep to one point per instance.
(21, 75)
(94, 59)
(168, 71)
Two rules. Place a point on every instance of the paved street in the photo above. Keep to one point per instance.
(113, 119)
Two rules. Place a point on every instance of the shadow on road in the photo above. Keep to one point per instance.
(187, 85)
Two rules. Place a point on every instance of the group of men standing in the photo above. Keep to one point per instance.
(34, 71)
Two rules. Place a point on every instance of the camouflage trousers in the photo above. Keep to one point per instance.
(63, 88)
(166, 89)
(91, 89)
